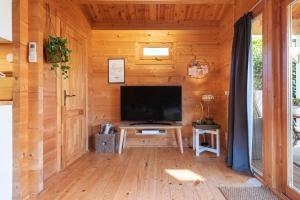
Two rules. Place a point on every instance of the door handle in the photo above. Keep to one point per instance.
(67, 96)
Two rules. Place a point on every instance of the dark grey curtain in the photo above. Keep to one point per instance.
(238, 144)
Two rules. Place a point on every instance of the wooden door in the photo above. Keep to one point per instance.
(73, 95)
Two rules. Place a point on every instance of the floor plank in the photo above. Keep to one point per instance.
(143, 173)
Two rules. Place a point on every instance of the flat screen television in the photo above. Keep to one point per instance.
(151, 103)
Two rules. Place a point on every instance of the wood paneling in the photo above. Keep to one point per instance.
(35, 97)
(161, 13)
(153, 16)
(155, 1)
(210, 42)
(20, 100)
(104, 99)
(63, 14)
(50, 107)
(225, 39)
(35, 119)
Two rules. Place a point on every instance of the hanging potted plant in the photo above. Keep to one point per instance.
(58, 54)
(296, 103)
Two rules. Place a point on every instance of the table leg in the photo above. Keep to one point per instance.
(125, 137)
(197, 139)
(218, 142)
(212, 140)
(121, 140)
(194, 139)
(179, 138)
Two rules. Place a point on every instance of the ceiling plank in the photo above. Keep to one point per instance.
(186, 25)
(231, 2)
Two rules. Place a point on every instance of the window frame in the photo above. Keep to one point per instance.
(154, 59)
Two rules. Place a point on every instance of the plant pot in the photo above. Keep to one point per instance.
(53, 57)
(296, 110)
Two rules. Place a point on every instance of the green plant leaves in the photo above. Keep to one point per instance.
(58, 54)
(296, 101)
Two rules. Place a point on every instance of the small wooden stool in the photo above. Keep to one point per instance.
(206, 129)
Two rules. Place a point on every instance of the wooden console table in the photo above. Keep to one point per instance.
(125, 126)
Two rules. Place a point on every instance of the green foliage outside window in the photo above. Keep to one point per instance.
(294, 80)
(257, 52)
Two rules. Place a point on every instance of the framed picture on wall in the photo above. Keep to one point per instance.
(116, 70)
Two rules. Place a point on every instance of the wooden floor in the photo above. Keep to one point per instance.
(143, 174)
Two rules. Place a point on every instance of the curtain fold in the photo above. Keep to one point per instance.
(238, 142)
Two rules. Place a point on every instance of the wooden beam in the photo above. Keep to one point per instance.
(231, 2)
(185, 25)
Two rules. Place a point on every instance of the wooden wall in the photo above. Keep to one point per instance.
(62, 14)
(20, 100)
(203, 44)
(211, 43)
(225, 40)
(34, 93)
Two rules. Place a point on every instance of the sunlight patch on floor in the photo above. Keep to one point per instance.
(184, 175)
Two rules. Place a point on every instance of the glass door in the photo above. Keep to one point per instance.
(294, 94)
(256, 84)
(292, 97)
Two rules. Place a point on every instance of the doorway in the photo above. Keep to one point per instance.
(72, 98)
(257, 70)
(291, 97)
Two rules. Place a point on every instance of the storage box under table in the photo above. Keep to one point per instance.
(105, 143)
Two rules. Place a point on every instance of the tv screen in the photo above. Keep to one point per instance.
(151, 103)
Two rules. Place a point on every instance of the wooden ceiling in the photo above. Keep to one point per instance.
(148, 14)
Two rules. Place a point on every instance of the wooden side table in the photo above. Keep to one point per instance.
(206, 129)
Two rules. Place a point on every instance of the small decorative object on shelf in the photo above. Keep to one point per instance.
(198, 69)
(206, 122)
(207, 99)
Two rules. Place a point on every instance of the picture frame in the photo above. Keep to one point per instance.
(116, 70)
